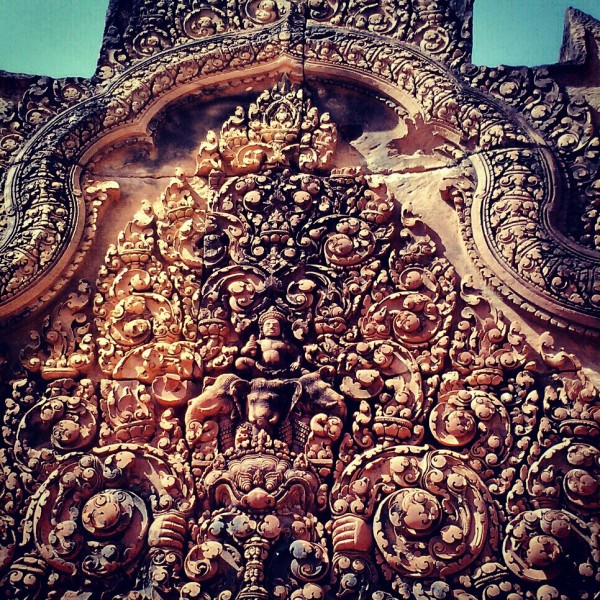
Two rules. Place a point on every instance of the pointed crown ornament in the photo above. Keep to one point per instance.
(281, 129)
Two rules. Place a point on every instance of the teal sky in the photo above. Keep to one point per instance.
(62, 37)
(522, 32)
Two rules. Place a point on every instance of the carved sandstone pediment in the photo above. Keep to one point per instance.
(260, 366)
(289, 393)
(509, 206)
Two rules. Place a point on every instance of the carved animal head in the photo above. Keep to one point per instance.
(219, 398)
(319, 396)
(261, 482)
(269, 401)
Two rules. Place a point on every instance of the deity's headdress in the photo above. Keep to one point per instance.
(272, 313)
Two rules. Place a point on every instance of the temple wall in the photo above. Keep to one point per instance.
(296, 302)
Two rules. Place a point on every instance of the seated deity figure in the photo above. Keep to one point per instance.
(270, 353)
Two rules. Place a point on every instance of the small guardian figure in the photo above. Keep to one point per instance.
(269, 354)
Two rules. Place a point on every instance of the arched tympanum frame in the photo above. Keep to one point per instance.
(507, 205)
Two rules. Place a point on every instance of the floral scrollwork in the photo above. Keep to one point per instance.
(65, 419)
(430, 513)
(94, 513)
(66, 348)
(546, 545)
(569, 470)
(427, 520)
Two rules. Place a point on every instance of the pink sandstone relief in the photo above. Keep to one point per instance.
(283, 291)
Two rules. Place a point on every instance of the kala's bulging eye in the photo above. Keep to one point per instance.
(245, 482)
(271, 481)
